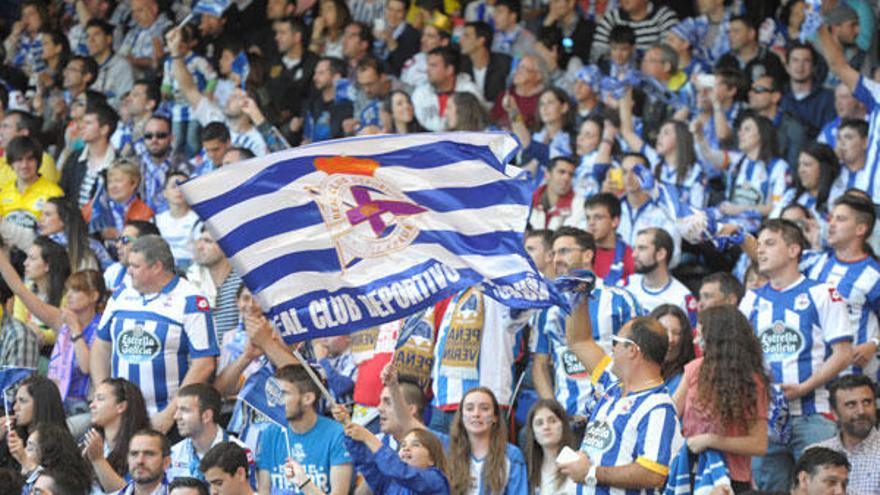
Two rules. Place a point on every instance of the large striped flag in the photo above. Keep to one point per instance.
(341, 235)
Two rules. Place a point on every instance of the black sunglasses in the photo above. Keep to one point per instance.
(157, 135)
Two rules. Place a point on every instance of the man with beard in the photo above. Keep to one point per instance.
(241, 128)
(212, 274)
(854, 403)
(149, 455)
(652, 284)
(154, 155)
(309, 440)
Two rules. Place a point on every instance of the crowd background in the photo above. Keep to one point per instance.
(707, 170)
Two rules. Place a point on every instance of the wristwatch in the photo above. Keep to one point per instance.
(590, 480)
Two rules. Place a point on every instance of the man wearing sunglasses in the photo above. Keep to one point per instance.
(633, 431)
(154, 155)
(117, 274)
(791, 135)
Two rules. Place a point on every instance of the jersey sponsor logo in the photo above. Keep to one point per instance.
(835, 295)
(138, 345)
(801, 302)
(598, 436)
(274, 394)
(22, 218)
(572, 365)
(780, 341)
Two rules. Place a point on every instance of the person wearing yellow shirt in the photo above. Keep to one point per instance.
(22, 199)
(18, 123)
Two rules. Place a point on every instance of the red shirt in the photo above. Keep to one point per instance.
(605, 258)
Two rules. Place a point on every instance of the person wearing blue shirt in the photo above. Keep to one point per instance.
(806, 98)
(311, 443)
(806, 334)
(633, 432)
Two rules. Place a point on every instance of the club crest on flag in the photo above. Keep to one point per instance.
(366, 216)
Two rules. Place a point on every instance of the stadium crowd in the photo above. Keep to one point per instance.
(709, 169)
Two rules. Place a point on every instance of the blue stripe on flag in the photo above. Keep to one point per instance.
(284, 172)
(276, 223)
(212, 7)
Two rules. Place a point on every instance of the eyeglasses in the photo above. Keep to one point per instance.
(761, 89)
(155, 135)
(125, 239)
(616, 339)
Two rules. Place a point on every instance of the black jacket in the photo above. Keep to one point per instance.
(496, 74)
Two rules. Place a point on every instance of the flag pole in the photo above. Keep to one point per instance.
(313, 376)
(185, 20)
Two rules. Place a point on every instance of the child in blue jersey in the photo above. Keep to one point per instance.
(313, 444)
(418, 466)
(480, 459)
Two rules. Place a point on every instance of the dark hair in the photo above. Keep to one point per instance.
(90, 67)
(89, 280)
(470, 113)
(786, 10)
(552, 39)
(561, 159)
(4, 97)
(26, 121)
(849, 382)
(67, 480)
(55, 256)
(23, 147)
(727, 283)
(766, 132)
(862, 206)
(144, 227)
(797, 45)
(638, 156)
(47, 408)
(606, 200)
(512, 5)
(371, 62)
(337, 65)
(215, 131)
(10, 478)
(623, 35)
(583, 238)
(483, 30)
(227, 456)
(297, 375)
(134, 418)
(567, 117)
(450, 55)
(365, 34)
(208, 397)
(163, 440)
(296, 25)
(105, 114)
(153, 93)
(829, 168)
(660, 239)
(412, 392)
(42, 11)
(684, 352)
(749, 21)
(735, 78)
(343, 14)
(815, 457)
(859, 125)
(411, 126)
(61, 40)
(75, 229)
(57, 447)
(685, 152)
(651, 338)
(101, 24)
(546, 236)
(187, 482)
(534, 453)
(791, 233)
(494, 475)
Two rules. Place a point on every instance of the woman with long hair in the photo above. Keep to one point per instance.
(817, 168)
(51, 445)
(672, 158)
(37, 401)
(756, 177)
(556, 115)
(681, 343)
(118, 412)
(464, 112)
(547, 432)
(480, 459)
(723, 400)
(399, 114)
(417, 467)
(62, 221)
(327, 30)
(46, 269)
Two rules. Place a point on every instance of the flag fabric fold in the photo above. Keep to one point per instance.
(347, 234)
(212, 7)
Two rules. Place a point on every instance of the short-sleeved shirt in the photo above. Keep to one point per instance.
(796, 327)
(317, 450)
(155, 336)
(640, 427)
(25, 208)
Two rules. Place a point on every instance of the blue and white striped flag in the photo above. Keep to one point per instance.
(241, 67)
(212, 7)
(342, 235)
